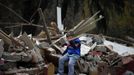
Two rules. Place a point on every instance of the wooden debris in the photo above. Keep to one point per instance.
(57, 47)
(45, 25)
(20, 24)
(11, 58)
(119, 40)
(39, 56)
(129, 39)
(53, 28)
(42, 34)
(86, 25)
(96, 61)
(9, 40)
(47, 69)
(30, 71)
(14, 57)
(27, 40)
(1, 47)
(59, 42)
(5, 38)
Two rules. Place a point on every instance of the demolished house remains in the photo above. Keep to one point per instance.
(34, 55)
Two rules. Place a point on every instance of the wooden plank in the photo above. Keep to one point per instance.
(45, 25)
(57, 47)
(119, 40)
(6, 39)
(90, 21)
(1, 47)
(129, 39)
(9, 40)
(20, 24)
(74, 28)
(88, 26)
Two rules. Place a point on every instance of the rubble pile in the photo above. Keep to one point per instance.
(28, 55)
(21, 55)
(103, 59)
(25, 55)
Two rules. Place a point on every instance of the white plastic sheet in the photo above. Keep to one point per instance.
(84, 49)
(120, 49)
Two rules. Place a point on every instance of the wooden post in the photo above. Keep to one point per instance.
(45, 25)
(1, 47)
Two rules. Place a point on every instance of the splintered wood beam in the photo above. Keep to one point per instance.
(1, 47)
(45, 25)
(86, 24)
(119, 40)
(131, 39)
(9, 40)
(5, 39)
(20, 24)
